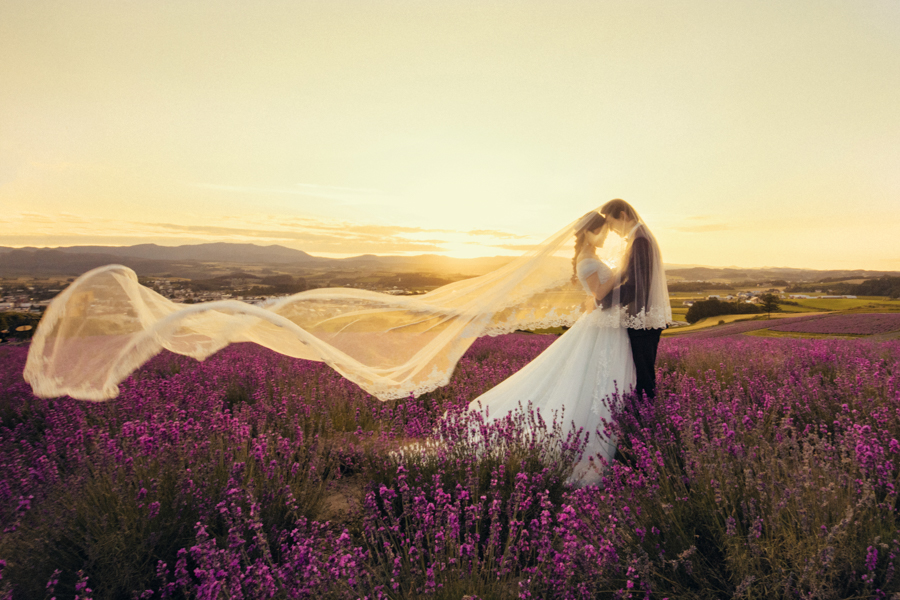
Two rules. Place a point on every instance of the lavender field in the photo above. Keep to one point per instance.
(852, 324)
(765, 468)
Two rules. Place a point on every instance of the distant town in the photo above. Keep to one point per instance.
(28, 297)
(33, 295)
(31, 277)
(754, 296)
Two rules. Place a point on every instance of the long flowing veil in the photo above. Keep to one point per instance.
(105, 325)
(640, 298)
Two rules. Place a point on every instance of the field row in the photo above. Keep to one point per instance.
(866, 304)
(883, 325)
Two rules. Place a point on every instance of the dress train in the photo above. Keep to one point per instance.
(582, 372)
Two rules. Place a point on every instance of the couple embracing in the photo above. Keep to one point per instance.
(106, 324)
(611, 349)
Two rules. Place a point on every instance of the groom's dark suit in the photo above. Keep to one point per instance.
(634, 294)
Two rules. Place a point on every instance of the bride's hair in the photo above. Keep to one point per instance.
(614, 208)
(592, 221)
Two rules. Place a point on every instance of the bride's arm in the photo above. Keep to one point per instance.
(600, 290)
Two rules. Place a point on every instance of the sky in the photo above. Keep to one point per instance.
(747, 133)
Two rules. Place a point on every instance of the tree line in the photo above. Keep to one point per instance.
(17, 326)
(714, 307)
(882, 286)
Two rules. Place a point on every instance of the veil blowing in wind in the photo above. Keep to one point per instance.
(105, 325)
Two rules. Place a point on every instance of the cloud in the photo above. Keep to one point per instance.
(497, 234)
(351, 240)
(701, 224)
(702, 228)
(60, 166)
(73, 217)
(32, 215)
(311, 234)
(515, 247)
(331, 192)
(30, 218)
(337, 226)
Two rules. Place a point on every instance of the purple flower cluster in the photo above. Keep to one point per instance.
(764, 466)
(849, 324)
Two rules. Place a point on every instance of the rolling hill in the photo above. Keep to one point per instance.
(199, 261)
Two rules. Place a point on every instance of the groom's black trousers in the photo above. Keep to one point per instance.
(644, 343)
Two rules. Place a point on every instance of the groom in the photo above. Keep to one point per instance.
(633, 294)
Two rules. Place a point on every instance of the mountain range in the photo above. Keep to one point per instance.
(198, 261)
(215, 252)
(207, 260)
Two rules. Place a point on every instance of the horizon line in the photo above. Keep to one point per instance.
(666, 266)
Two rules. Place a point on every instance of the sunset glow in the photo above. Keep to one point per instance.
(760, 133)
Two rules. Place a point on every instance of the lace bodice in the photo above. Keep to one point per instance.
(587, 267)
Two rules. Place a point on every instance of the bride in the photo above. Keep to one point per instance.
(584, 369)
(106, 324)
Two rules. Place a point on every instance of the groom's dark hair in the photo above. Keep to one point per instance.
(615, 208)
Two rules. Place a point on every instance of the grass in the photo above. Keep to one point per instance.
(866, 304)
(550, 330)
(800, 334)
(882, 307)
(722, 319)
(804, 307)
(790, 308)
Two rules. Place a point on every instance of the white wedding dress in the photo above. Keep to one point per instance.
(580, 371)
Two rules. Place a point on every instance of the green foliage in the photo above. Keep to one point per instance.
(539, 447)
(715, 307)
(9, 321)
(510, 474)
(697, 286)
(769, 303)
(755, 491)
(279, 285)
(117, 522)
(882, 286)
(773, 509)
(99, 521)
(759, 283)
